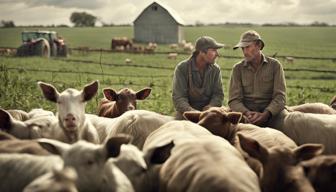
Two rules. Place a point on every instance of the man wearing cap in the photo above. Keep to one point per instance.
(257, 85)
(197, 81)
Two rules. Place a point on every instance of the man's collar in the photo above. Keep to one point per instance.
(263, 58)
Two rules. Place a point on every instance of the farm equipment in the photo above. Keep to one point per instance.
(42, 43)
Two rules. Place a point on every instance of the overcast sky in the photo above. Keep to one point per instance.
(47, 12)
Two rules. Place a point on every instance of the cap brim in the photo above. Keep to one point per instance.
(218, 46)
(242, 44)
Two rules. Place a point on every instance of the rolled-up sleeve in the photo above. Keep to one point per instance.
(180, 91)
(236, 91)
(279, 91)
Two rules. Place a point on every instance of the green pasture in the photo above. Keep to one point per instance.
(308, 80)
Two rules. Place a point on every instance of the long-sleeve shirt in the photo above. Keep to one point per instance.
(258, 90)
(210, 84)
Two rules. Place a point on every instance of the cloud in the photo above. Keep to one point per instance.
(79, 4)
(44, 12)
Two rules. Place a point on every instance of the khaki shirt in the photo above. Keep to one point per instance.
(210, 83)
(260, 90)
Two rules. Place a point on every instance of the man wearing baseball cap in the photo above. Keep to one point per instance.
(197, 81)
(257, 85)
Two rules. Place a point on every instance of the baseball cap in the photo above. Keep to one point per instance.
(206, 42)
(248, 38)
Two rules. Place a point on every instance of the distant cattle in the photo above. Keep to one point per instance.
(123, 42)
(289, 59)
(172, 56)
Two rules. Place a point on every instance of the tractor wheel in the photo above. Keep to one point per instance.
(22, 51)
(63, 51)
(53, 50)
(42, 48)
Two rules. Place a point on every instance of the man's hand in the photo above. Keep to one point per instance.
(257, 118)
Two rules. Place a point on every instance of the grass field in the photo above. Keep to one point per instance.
(18, 76)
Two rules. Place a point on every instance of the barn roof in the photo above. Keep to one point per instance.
(171, 11)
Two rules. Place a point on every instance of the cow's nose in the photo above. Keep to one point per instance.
(70, 119)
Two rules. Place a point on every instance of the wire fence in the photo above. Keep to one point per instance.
(172, 68)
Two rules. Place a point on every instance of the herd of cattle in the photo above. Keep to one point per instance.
(125, 44)
(126, 149)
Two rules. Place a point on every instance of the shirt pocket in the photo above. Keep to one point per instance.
(267, 84)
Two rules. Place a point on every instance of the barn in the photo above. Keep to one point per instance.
(158, 23)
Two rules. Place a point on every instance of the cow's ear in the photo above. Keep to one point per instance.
(159, 154)
(234, 117)
(143, 94)
(90, 90)
(110, 94)
(308, 151)
(114, 143)
(193, 116)
(53, 146)
(5, 120)
(49, 91)
(253, 148)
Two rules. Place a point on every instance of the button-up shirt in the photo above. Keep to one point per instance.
(258, 89)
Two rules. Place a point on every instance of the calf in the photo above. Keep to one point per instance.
(281, 169)
(116, 103)
(71, 112)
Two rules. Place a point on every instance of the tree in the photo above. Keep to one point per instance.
(83, 19)
(7, 23)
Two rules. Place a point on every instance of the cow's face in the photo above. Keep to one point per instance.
(126, 98)
(70, 104)
(217, 121)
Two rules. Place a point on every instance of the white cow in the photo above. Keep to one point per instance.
(71, 112)
(200, 161)
(89, 160)
(37, 126)
(310, 128)
(142, 169)
(137, 123)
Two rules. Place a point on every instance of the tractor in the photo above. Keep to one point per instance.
(42, 43)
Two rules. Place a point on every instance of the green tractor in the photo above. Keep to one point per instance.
(42, 43)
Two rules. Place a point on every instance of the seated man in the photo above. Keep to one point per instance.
(197, 82)
(257, 84)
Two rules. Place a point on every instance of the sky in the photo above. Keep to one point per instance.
(49, 12)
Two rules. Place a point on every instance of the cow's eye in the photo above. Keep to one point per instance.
(89, 162)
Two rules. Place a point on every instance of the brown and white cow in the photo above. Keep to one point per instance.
(281, 168)
(116, 103)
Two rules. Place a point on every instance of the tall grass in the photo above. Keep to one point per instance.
(19, 76)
